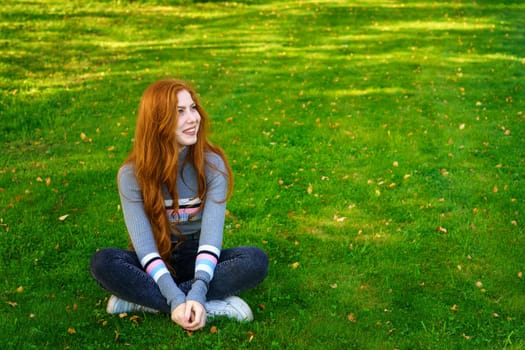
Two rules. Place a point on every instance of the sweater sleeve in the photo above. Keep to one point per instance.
(210, 242)
(141, 235)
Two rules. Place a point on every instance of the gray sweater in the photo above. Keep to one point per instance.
(209, 222)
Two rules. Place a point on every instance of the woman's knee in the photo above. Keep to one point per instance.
(103, 260)
(258, 260)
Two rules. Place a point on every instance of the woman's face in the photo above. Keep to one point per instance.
(189, 120)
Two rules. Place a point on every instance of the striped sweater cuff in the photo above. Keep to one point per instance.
(154, 266)
(207, 258)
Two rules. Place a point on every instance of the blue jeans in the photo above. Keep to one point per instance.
(120, 272)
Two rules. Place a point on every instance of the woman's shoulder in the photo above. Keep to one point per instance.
(126, 169)
(215, 160)
(127, 175)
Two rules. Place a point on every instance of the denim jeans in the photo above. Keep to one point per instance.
(120, 272)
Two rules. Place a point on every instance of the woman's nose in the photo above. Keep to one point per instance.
(194, 116)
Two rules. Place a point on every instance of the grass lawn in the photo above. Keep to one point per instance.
(379, 157)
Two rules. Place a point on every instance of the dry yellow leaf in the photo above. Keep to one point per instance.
(213, 330)
(71, 330)
(63, 217)
(351, 318)
(251, 335)
(295, 265)
(441, 229)
(135, 319)
(20, 289)
(310, 189)
(339, 218)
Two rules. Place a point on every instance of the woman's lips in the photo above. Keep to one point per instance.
(190, 131)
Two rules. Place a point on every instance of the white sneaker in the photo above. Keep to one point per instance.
(118, 306)
(231, 307)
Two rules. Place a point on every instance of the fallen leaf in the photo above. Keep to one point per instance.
(333, 285)
(63, 217)
(479, 284)
(351, 318)
(12, 303)
(310, 189)
(71, 330)
(123, 315)
(251, 335)
(20, 289)
(339, 219)
(135, 319)
(520, 274)
(213, 330)
(454, 308)
(441, 229)
(295, 265)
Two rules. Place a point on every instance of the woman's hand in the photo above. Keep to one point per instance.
(190, 315)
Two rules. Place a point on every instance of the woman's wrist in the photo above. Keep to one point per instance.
(198, 291)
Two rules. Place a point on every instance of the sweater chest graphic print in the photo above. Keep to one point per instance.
(188, 210)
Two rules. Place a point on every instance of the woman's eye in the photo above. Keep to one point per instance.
(194, 107)
(180, 110)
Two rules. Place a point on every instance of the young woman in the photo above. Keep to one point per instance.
(173, 189)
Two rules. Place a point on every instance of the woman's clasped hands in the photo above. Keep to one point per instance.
(190, 315)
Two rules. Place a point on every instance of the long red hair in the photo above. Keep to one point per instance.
(155, 155)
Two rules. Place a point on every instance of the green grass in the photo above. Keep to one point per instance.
(378, 144)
